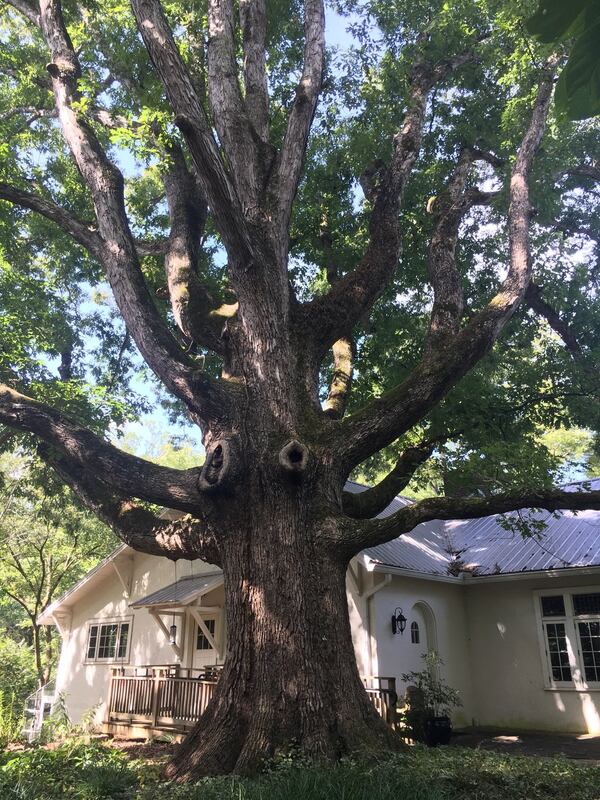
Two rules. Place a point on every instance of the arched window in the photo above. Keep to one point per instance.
(414, 633)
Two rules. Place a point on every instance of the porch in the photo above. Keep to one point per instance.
(173, 698)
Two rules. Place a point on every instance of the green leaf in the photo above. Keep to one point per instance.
(578, 90)
(555, 19)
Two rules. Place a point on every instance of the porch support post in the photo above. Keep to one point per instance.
(154, 706)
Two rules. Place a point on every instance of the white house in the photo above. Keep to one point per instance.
(516, 621)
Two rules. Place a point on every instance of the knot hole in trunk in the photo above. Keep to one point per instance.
(293, 457)
(220, 467)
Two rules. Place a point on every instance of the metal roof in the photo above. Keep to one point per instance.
(182, 592)
(483, 546)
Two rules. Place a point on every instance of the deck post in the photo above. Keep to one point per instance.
(111, 687)
(155, 691)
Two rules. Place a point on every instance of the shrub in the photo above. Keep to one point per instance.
(11, 718)
(77, 772)
(72, 771)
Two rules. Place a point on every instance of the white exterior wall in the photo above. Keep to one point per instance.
(396, 654)
(487, 635)
(508, 666)
(85, 685)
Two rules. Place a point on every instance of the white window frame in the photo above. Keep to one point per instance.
(99, 623)
(578, 682)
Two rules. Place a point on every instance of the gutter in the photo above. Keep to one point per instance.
(561, 572)
(467, 578)
(376, 566)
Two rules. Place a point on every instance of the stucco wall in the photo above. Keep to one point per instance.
(507, 665)
(85, 685)
(396, 654)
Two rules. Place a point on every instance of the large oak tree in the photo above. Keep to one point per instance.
(256, 265)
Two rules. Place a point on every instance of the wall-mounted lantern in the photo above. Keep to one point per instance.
(398, 621)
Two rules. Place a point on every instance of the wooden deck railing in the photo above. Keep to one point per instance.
(382, 693)
(159, 697)
(169, 697)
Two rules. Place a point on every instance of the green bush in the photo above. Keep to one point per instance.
(72, 771)
(17, 668)
(11, 718)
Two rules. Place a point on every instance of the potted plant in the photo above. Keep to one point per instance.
(430, 702)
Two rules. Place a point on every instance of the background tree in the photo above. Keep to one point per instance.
(251, 243)
(46, 545)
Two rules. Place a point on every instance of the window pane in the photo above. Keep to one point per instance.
(91, 650)
(202, 642)
(414, 633)
(586, 604)
(558, 652)
(107, 644)
(123, 637)
(589, 636)
(553, 606)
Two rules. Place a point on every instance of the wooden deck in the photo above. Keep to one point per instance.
(173, 698)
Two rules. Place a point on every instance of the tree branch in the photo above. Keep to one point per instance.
(343, 350)
(185, 537)
(84, 233)
(389, 416)
(450, 208)
(28, 9)
(286, 173)
(591, 171)
(374, 532)
(336, 313)
(194, 309)
(535, 301)
(229, 110)
(253, 21)
(124, 472)
(341, 382)
(118, 256)
(191, 119)
(371, 502)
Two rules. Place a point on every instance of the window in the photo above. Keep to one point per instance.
(571, 627)
(202, 642)
(553, 606)
(589, 638)
(108, 641)
(584, 604)
(558, 651)
(414, 633)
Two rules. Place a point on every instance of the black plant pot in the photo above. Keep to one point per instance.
(437, 730)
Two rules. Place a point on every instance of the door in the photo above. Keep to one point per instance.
(203, 652)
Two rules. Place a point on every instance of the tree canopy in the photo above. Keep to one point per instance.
(71, 347)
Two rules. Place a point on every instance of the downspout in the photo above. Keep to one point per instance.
(368, 595)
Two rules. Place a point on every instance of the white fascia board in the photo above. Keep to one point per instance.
(46, 617)
(551, 574)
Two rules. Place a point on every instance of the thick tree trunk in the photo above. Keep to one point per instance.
(290, 677)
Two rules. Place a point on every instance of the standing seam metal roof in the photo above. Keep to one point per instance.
(484, 547)
(181, 592)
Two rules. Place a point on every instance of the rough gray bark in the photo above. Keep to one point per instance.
(268, 504)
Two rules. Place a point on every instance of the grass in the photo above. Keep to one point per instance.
(75, 771)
